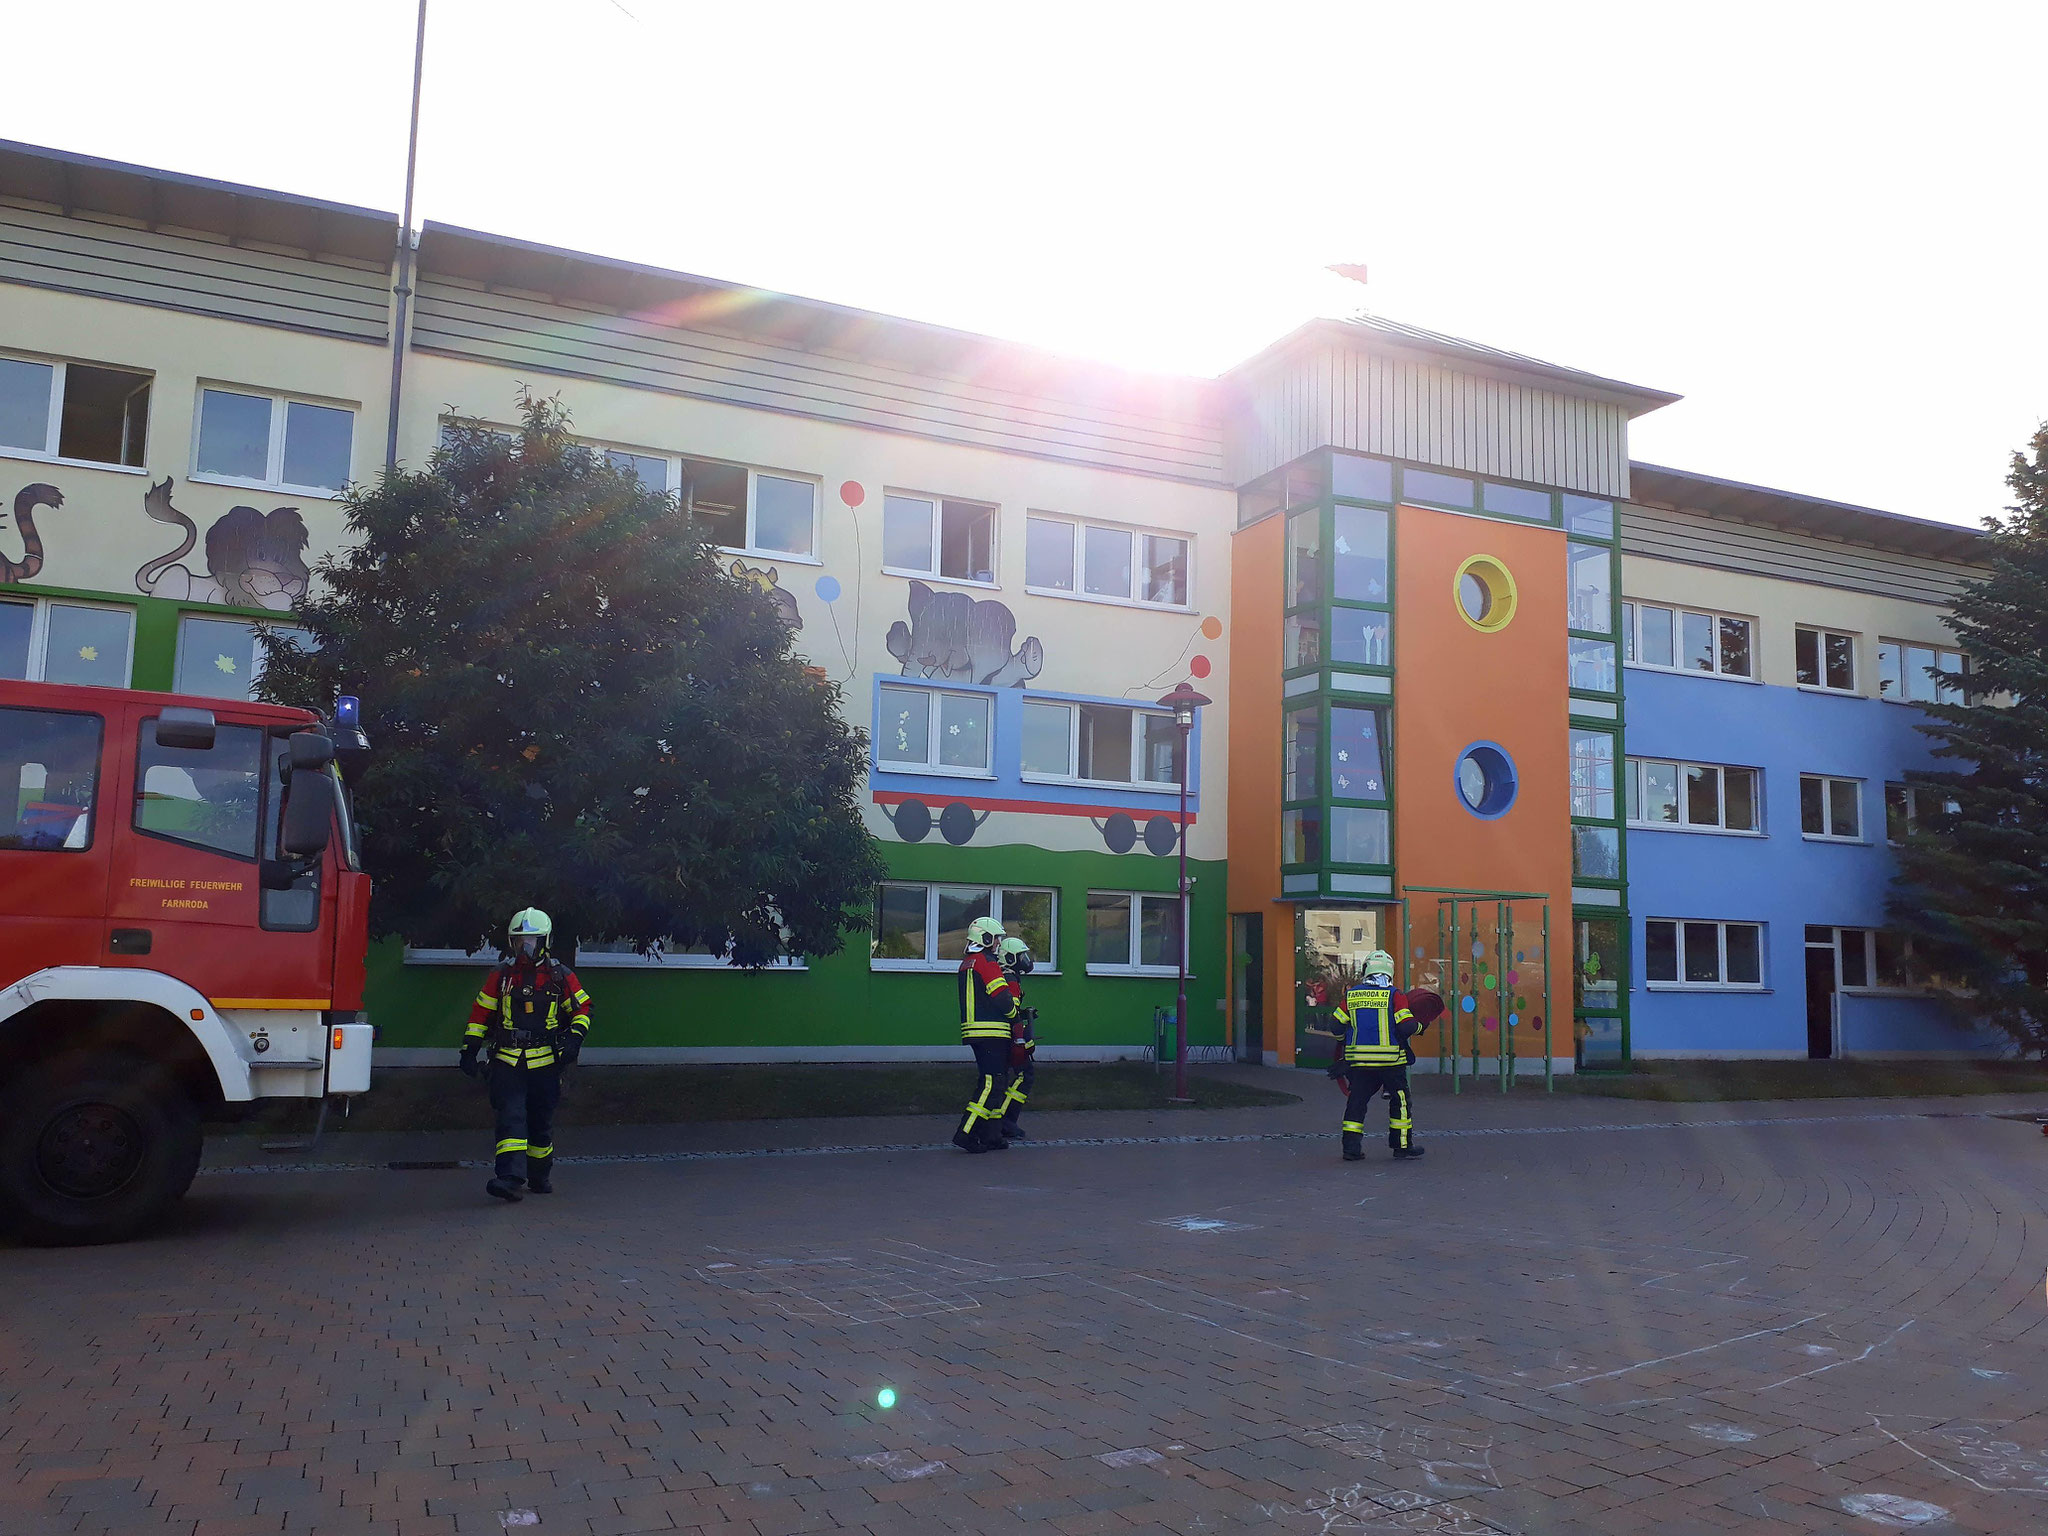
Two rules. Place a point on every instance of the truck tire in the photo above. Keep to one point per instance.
(93, 1149)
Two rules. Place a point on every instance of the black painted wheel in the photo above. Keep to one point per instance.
(93, 1148)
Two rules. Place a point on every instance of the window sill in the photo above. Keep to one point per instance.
(1108, 600)
(1665, 826)
(677, 963)
(30, 456)
(930, 768)
(1716, 677)
(949, 581)
(1886, 991)
(1148, 971)
(768, 554)
(1145, 785)
(1752, 990)
(313, 493)
(1840, 693)
(939, 968)
(1842, 842)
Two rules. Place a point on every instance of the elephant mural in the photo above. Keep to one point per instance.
(954, 638)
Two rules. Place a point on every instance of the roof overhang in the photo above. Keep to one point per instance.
(689, 301)
(85, 184)
(1376, 334)
(1683, 490)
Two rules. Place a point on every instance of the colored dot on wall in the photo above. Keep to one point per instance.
(1418, 951)
(828, 588)
(1466, 1005)
(1521, 954)
(1478, 950)
(1514, 1019)
(1199, 666)
(1486, 981)
(1212, 628)
(1514, 977)
(852, 494)
(1491, 1022)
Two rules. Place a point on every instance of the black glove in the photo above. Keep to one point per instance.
(1337, 1070)
(471, 1067)
(567, 1052)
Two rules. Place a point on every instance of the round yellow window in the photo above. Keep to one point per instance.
(1485, 593)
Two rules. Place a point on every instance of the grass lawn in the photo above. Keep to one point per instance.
(435, 1099)
(1708, 1081)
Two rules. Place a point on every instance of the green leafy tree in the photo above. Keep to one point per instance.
(1972, 887)
(571, 706)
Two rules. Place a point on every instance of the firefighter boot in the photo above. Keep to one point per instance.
(1404, 1154)
(540, 1177)
(1354, 1141)
(503, 1189)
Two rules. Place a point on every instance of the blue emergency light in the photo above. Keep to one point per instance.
(348, 710)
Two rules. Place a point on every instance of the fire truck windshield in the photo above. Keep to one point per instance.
(351, 847)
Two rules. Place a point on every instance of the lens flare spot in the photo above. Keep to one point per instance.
(886, 1398)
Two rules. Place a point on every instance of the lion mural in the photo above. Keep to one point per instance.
(253, 559)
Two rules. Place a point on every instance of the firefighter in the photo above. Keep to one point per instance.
(533, 1014)
(1017, 962)
(988, 1004)
(1376, 1022)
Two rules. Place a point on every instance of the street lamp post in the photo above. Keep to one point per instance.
(1183, 701)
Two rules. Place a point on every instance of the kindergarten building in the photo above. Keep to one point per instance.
(1609, 753)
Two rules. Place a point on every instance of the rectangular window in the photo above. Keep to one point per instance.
(1303, 645)
(1365, 479)
(1304, 754)
(1357, 636)
(47, 641)
(1515, 501)
(51, 409)
(1358, 557)
(938, 536)
(933, 730)
(1101, 743)
(1596, 853)
(652, 471)
(1301, 837)
(1588, 517)
(748, 511)
(208, 798)
(1874, 959)
(1593, 774)
(1591, 568)
(1697, 796)
(1427, 488)
(1824, 658)
(1903, 804)
(274, 442)
(924, 927)
(1359, 836)
(1684, 640)
(49, 778)
(1304, 558)
(1592, 666)
(1903, 673)
(220, 658)
(1133, 933)
(1831, 809)
(1702, 954)
(1121, 564)
(1357, 760)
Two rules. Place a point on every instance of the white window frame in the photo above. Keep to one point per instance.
(1961, 656)
(931, 764)
(1077, 533)
(1721, 927)
(1828, 782)
(60, 368)
(1134, 933)
(1633, 791)
(1871, 987)
(1632, 633)
(1073, 708)
(752, 548)
(256, 663)
(1912, 793)
(938, 501)
(281, 402)
(1823, 634)
(39, 634)
(1042, 965)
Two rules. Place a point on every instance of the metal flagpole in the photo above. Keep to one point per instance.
(404, 289)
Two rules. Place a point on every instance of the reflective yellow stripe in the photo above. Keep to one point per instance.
(1401, 1014)
(537, 1150)
(473, 1032)
(985, 1029)
(995, 985)
(1354, 1125)
(513, 1144)
(273, 1002)
(485, 1000)
(1014, 1096)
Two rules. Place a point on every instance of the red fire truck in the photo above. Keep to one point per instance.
(183, 926)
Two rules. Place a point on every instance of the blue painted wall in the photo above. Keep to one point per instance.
(1779, 879)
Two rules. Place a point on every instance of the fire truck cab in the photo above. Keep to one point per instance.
(184, 922)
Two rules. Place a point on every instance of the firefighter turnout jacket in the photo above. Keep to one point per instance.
(1376, 1023)
(988, 998)
(526, 1010)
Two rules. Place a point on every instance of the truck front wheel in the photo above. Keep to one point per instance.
(93, 1149)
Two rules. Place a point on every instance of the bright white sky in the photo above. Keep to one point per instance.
(1821, 223)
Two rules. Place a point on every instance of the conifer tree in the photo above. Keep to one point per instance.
(572, 706)
(1972, 886)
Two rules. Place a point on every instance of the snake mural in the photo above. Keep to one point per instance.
(26, 500)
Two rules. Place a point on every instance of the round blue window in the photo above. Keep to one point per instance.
(1486, 780)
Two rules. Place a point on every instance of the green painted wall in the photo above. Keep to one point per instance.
(838, 1000)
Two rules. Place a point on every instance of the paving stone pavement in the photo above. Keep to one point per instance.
(1572, 1316)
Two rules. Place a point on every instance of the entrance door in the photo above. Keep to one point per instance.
(1820, 993)
(1248, 945)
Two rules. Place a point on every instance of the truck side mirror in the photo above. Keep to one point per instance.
(310, 750)
(308, 812)
(179, 726)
